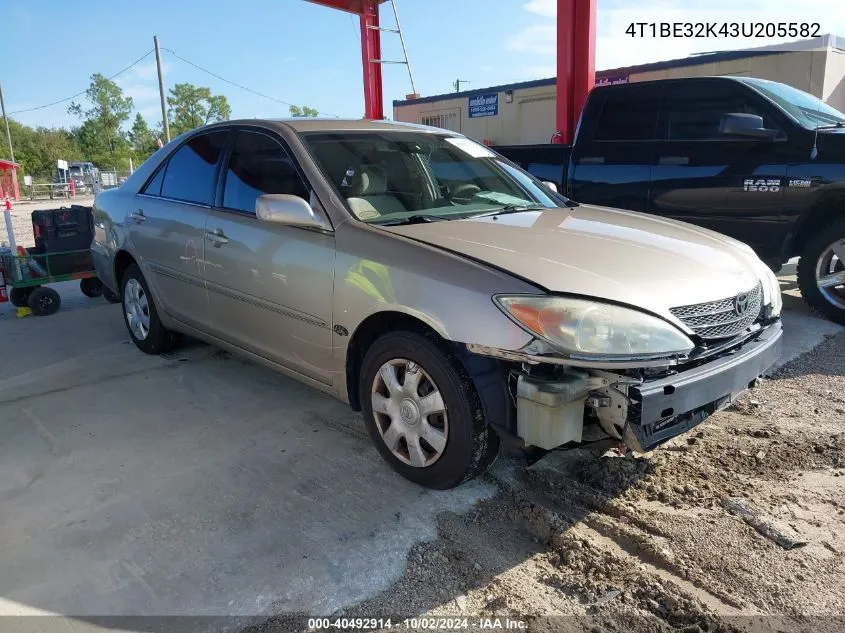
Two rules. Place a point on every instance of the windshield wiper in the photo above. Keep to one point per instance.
(509, 208)
(830, 126)
(414, 219)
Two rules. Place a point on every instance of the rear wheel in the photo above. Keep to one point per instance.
(91, 287)
(44, 301)
(141, 316)
(422, 411)
(821, 272)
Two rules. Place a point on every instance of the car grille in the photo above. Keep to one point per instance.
(722, 319)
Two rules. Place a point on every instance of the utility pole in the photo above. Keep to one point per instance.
(164, 122)
(458, 83)
(6, 119)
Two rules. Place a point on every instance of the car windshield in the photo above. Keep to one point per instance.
(808, 110)
(395, 177)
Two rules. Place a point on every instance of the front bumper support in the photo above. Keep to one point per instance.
(669, 406)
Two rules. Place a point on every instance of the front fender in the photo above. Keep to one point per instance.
(376, 271)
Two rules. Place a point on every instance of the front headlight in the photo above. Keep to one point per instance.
(774, 287)
(582, 328)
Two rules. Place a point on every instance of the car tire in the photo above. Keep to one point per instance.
(141, 315)
(436, 443)
(44, 301)
(820, 259)
(91, 287)
(19, 297)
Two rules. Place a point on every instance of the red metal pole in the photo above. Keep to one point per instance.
(565, 46)
(576, 63)
(584, 77)
(370, 51)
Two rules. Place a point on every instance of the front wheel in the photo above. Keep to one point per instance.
(821, 272)
(141, 316)
(423, 413)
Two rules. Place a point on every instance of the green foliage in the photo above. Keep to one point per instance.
(143, 140)
(194, 106)
(303, 111)
(38, 149)
(100, 136)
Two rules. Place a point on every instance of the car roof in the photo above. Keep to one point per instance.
(316, 124)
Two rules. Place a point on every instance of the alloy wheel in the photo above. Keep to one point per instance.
(830, 273)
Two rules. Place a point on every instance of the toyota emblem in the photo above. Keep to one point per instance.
(741, 303)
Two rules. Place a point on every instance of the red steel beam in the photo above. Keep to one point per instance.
(576, 63)
(367, 10)
(371, 61)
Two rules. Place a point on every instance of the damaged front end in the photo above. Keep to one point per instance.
(643, 404)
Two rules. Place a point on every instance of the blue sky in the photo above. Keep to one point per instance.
(309, 55)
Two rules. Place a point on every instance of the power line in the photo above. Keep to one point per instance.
(237, 85)
(82, 92)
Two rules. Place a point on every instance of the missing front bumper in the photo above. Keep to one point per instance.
(662, 409)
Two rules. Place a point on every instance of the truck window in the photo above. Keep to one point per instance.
(628, 114)
(694, 112)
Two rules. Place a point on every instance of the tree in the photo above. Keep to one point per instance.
(303, 111)
(100, 136)
(38, 149)
(143, 140)
(194, 106)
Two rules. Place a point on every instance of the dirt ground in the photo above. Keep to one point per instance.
(644, 543)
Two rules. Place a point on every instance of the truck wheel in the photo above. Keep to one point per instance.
(141, 316)
(44, 301)
(821, 272)
(422, 411)
(91, 287)
(19, 297)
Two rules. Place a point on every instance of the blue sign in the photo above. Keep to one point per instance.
(484, 105)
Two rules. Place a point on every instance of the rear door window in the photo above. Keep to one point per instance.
(191, 171)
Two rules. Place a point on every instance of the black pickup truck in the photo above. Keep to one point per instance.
(756, 160)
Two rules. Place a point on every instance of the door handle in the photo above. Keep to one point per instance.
(138, 215)
(216, 237)
(674, 160)
(591, 160)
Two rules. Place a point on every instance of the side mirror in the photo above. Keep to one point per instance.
(745, 125)
(550, 185)
(281, 208)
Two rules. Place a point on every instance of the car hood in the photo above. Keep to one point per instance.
(628, 257)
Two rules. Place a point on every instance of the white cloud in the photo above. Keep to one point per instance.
(149, 71)
(546, 8)
(537, 38)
